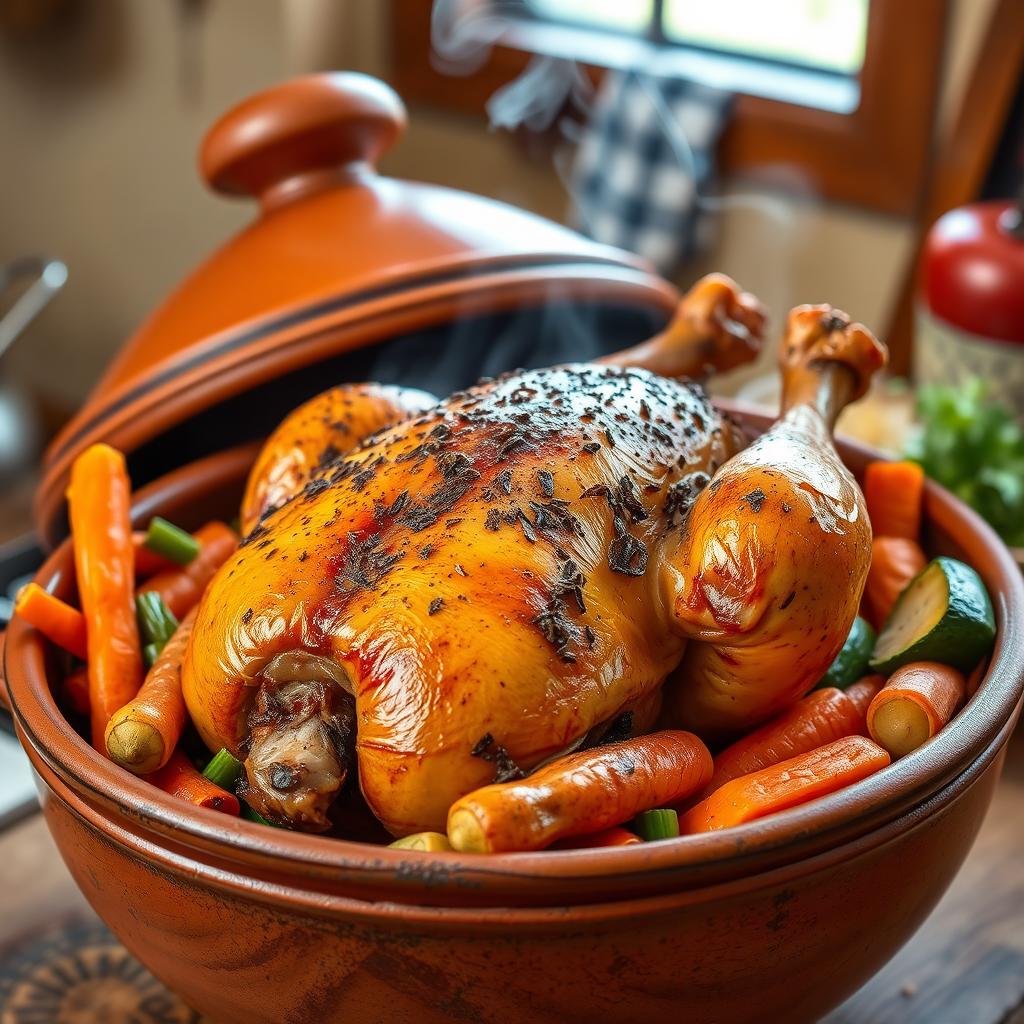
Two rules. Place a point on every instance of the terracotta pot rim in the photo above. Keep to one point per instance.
(244, 355)
(790, 835)
(541, 916)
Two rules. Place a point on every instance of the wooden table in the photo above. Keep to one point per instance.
(965, 966)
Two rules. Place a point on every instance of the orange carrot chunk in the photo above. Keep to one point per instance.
(580, 793)
(98, 502)
(142, 735)
(54, 618)
(182, 779)
(821, 717)
(916, 702)
(862, 693)
(615, 836)
(787, 784)
(182, 587)
(894, 492)
(895, 561)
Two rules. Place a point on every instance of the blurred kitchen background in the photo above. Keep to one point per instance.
(820, 146)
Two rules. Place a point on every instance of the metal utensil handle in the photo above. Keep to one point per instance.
(50, 276)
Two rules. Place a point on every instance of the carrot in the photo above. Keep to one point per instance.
(182, 779)
(862, 693)
(54, 618)
(182, 587)
(787, 784)
(76, 691)
(580, 793)
(894, 492)
(895, 561)
(148, 563)
(143, 734)
(615, 836)
(916, 702)
(821, 717)
(98, 503)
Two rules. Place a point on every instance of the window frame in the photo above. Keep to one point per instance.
(875, 156)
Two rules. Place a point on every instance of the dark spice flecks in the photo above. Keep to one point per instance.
(755, 499)
(364, 564)
(493, 520)
(505, 769)
(547, 483)
(247, 616)
(682, 496)
(435, 606)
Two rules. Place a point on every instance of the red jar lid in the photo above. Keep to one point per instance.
(973, 270)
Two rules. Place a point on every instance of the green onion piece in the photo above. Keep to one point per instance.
(250, 815)
(170, 541)
(660, 824)
(224, 769)
(156, 621)
(149, 654)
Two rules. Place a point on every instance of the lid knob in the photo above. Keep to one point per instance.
(300, 135)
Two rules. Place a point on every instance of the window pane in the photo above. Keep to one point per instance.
(622, 15)
(827, 34)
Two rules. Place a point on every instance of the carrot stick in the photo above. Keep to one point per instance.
(787, 784)
(98, 503)
(181, 588)
(76, 691)
(580, 793)
(895, 561)
(821, 717)
(615, 836)
(148, 563)
(54, 618)
(916, 702)
(143, 734)
(862, 693)
(180, 778)
(893, 492)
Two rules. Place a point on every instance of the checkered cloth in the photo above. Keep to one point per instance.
(644, 159)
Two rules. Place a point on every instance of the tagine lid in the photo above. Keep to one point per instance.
(338, 258)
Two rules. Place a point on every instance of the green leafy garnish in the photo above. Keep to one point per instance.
(974, 447)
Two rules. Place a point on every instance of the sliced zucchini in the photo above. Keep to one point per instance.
(944, 614)
(851, 662)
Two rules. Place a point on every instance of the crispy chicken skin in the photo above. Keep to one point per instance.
(496, 580)
(317, 432)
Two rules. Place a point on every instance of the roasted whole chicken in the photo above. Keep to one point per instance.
(430, 599)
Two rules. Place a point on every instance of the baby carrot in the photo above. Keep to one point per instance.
(862, 693)
(614, 836)
(54, 618)
(182, 587)
(893, 492)
(142, 735)
(895, 561)
(787, 784)
(821, 717)
(182, 779)
(580, 793)
(98, 504)
(916, 702)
